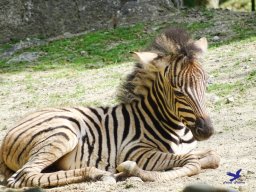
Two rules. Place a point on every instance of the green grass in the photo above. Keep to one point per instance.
(252, 76)
(105, 47)
(238, 87)
(4, 47)
(101, 48)
(224, 89)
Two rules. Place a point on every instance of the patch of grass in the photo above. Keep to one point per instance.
(93, 50)
(224, 89)
(4, 47)
(252, 76)
(246, 28)
(208, 13)
(198, 26)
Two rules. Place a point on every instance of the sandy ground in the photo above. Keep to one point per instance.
(235, 138)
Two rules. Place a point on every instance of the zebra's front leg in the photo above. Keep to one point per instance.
(188, 163)
(209, 159)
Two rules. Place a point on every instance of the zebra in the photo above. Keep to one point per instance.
(153, 129)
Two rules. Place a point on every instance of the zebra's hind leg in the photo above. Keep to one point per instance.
(31, 173)
(189, 165)
(28, 177)
(209, 159)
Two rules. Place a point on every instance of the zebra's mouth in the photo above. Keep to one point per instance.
(202, 129)
(196, 133)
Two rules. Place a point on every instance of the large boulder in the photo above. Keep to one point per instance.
(31, 18)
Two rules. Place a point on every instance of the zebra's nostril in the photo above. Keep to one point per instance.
(204, 132)
(204, 128)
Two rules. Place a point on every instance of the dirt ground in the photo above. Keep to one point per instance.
(233, 115)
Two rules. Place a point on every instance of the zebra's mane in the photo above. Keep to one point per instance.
(170, 42)
(175, 41)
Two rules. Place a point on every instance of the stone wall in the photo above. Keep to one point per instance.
(20, 19)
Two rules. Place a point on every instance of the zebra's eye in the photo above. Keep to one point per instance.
(178, 93)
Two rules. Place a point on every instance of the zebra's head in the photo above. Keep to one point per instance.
(177, 58)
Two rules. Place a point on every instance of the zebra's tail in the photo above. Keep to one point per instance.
(5, 172)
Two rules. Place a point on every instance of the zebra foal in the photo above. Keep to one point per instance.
(154, 128)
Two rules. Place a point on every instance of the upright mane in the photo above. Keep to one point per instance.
(175, 41)
(171, 42)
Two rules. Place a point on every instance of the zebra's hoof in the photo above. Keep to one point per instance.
(127, 167)
(214, 159)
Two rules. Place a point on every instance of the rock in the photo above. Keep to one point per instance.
(250, 172)
(206, 188)
(67, 35)
(216, 38)
(25, 57)
(108, 179)
(210, 80)
(246, 67)
(22, 45)
(213, 98)
(84, 53)
(230, 100)
(134, 179)
(20, 19)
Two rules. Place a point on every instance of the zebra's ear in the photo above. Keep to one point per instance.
(202, 44)
(144, 57)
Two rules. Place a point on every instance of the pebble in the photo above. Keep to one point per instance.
(83, 53)
(205, 188)
(108, 179)
(216, 38)
(133, 179)
(210, 80)
(250, 172)
(214, 98)
(246, 67)
(230, 100)
(67, 35)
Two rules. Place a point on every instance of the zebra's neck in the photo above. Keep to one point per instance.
(157, 99)
(158, 119)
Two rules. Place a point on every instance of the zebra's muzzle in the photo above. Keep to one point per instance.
(203, 129)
